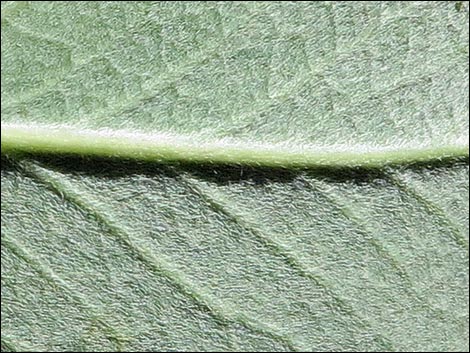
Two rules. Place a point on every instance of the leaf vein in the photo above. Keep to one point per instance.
(158, 264)
(54, 279)
(220, 205)
(457, 234)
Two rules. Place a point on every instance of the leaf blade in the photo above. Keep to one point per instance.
(106, 254)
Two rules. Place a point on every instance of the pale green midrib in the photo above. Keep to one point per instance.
(124, 144)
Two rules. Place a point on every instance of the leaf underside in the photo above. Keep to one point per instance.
(103, 254)
(253, 83)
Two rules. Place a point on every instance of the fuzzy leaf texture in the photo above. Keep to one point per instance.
(120, 254)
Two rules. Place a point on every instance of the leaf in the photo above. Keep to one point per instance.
(169, 259)
(116, 255)
(261, 83)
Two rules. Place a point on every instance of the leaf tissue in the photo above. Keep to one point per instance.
(234, 176)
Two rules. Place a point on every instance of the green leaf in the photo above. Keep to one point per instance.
(260, 83)
(118, 255)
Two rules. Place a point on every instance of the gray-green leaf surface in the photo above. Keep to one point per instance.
(262, 83)
(104, 255)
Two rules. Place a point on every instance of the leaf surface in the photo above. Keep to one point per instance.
(118, 255)
(261, 83)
